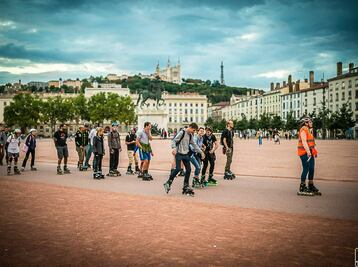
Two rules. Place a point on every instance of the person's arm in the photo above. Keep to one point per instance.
(127, 140)
(109, 137)
(150, 137)
(77, 139)
(137, 140)
(215, 146)
(304, 142)
(174, 142)
(55, 139)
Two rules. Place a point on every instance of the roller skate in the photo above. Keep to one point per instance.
(150, 176)
(211, 180)
(147, 177)
(33, 168)
(8, 170)
(96, 176)
(59, 171)
(112, 173)
(167, 186)
(304, 191)
(66, 170)
(140, 175)
(84, 167)
(22, 169)
(137, 170)
(129, 170)
(203, 181)
(181, 173)
(229, 175)
(117, 173)
(16, 170)
(314, 189)
(196, 182)
(188, 191)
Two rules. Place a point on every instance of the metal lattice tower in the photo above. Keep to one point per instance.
(222, 82)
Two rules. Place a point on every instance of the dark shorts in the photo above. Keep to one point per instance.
(62, 151)
(13, 155)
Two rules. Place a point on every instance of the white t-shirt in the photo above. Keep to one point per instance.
(13, 144)
(91, 135)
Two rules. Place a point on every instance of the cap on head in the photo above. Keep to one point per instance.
(114, 123)
(305, 119)
(33, 130)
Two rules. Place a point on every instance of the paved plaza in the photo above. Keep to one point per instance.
(255, 220)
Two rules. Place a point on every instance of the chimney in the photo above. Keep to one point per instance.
(339, 68)
(311, 78)
(297, 85)
(277, 85)
(351, 66)
(283, 83)
(272, 87)
(290, 88)
(19, 82)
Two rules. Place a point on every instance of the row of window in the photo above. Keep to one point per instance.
(186, 119)
(343, 84)
(186, 104)
(186, 111)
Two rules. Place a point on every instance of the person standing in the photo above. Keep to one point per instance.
(210, 143)
(145, 149)
(196, 158)
(3, 139)
(13, 150)
(114, 144)
(98, 151)
(180, 149)
(81, 140)
(259, 135)
(306, 150)
(89, 149)
(30, 146)
(60, 140)
(132, 157)
(227, 138)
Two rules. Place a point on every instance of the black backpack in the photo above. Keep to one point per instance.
(181, 138)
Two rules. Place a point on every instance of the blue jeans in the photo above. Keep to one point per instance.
(196, 163)
(307, 168)
(89, 150)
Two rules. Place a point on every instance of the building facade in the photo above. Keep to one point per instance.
(169, 73)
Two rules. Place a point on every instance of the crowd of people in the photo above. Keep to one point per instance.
(191, 146)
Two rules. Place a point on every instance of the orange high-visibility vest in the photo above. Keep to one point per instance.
(310, 141)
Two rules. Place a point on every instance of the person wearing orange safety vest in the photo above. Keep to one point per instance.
(306, 150)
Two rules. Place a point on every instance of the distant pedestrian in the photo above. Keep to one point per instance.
(98, 151)
(29, 148)
(60, 140)
(132, 157)
(259, 136)
(210, 144)
(114, 144)
(145, 150)
(13, 150)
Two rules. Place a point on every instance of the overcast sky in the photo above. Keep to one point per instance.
(259, 41)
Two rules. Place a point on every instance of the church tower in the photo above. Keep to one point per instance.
(222, 82)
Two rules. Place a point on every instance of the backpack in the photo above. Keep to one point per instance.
(181, 138)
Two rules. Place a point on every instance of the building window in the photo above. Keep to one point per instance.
(343, 96)
(356, 94)
(337, 97)
(283, 105)
(356, 83)
(175, 104)
(170, 119)
(5, 103)
(343, 85)
(170, 104)
(356, 106)
(350, 84)
(314, 101)
(349, 94)
(202, 105)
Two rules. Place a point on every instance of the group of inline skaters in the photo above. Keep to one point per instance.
(192, 145)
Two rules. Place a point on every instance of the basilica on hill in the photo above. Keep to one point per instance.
(169, 73)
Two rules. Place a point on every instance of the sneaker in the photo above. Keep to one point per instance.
(188, 191)
(314, 190)
(203, 181)
(33, 168)
(196, 182)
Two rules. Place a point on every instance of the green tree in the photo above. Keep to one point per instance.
(291, 122)
(98, 110)
(253, 124)
(56, 109)
(24, 111)
(80, 108)
(344, 118)
(242, 124)
(277, 123)
(265, 121)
